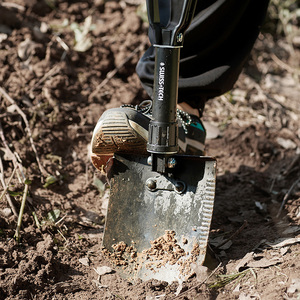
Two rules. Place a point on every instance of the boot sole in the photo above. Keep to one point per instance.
(114, 134)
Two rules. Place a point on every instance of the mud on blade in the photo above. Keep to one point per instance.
(156, 225)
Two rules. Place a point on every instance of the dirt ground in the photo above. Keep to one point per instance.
(62, 63)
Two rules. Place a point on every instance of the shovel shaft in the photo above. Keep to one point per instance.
(169, 25)
(163, 129)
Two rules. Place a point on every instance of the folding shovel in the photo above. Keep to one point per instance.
(161, 205)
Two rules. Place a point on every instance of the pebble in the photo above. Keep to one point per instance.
(6, 212)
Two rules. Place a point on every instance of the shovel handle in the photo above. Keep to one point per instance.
(168, 22)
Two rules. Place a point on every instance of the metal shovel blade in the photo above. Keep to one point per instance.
(157, 226)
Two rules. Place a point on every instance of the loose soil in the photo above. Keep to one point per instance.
(62, 92)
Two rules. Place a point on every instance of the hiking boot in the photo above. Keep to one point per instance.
(125, 130)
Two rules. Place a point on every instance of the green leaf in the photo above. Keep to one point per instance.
(50, 180)
(27, 181)
(54, 158)
(53, 215)
(15, 194)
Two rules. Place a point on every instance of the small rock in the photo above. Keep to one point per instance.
(261, 207)
(44, 27)
(286, 143)
(294, 287)
(296, 41)
(3, 37)
(26, 49)
(298, 213)
(38, 34)
(6, 212)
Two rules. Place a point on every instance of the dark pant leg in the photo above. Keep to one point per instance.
(215, 48)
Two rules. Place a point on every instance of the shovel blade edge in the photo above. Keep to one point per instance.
(163, 220)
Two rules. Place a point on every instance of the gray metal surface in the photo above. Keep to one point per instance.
(144, 204)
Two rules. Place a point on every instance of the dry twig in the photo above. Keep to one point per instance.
(236, 233)
(7, 114)
(13, 5)
(293, 164)
(15, 160)
(199, 284)
(55, 70)
(64, 46)
(5, 186)
(19, 110)
(8, 183)
(281, 64)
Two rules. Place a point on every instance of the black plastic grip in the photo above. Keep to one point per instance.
(163, 129)
(170, 32)
(169, 27)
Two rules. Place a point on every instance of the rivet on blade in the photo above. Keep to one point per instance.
(180, 187)
(151, 184)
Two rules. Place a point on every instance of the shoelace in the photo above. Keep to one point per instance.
(145, 107)
(184, 118)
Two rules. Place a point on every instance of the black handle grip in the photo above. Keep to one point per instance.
(170, 32)
(169, 24)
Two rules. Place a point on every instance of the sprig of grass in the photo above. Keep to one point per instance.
(223, 280)
(17, 233)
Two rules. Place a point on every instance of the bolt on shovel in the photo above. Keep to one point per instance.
(161, 205)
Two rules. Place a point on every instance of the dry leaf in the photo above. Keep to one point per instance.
(103, 270)
(85, 261)
(284, 250)
(249, 262)
(244, 261)
(264, 262)
(284, 242)
(150, 297)
(290, 230)
(8, 155)
(216, 241)
(237, 289)
(226, 245)
(99, 285)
